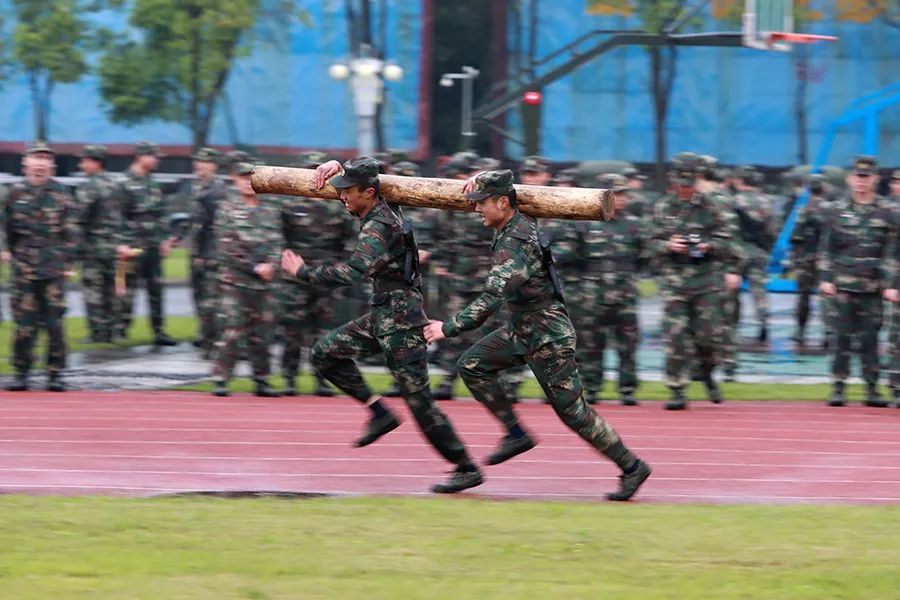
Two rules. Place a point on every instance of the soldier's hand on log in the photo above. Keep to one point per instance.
(291, 263)
(732, 281)
(891, 295)
(470, 183)
(424, 255)
(5, 256)
(677, 244)
(434, 331)
(828, 289)
(325, 172)
(266, 271)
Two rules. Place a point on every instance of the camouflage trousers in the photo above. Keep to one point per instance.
(595, 326)
(146, 268)
(698, 315)
(807, 276)
(205, 291)
(858, 315)
(246, 317)
(731, 315)
(35, 305)
(554, 367)
(98, 280)
(334, 356)
(755, 275)
(304, 311)
(894, 338)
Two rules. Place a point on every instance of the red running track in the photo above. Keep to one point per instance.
(140, 444)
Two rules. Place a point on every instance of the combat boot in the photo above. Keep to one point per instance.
(896, 394)
(220, 388)
(264, 390)
(799, 337)
(55, 383)
(19, 384)
(290, 386)
(678, 401)
(509, 447)
(628, 399)
(763, 336)
(630, 482)
(873, 397)
(377, 427)
(445, 390)
(162, 339)
(713, 391)
(837, 395)
(322, 389)
(463, 478)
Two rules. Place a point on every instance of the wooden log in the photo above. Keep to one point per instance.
(582, 204)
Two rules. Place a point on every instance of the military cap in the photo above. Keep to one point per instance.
(94, 151)
(491, 183)
(39, 148)
(895, 174)
(757, 179)
(360, 170)
(687, 163)
(461, 162)
(311, 160)
(242, 168)
(147, 148)
(487, 163)
(815, 178)
(865, 165)
(207, 155)
(236, 156)
(565, 176)
(534, 164)
(614, 182)
(743, 172)
(395, 156)
(633, 173)
(406, 168)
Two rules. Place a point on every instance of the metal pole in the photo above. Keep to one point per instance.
(467, 133)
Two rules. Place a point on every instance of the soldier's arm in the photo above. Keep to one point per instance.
(824, 261)
(70, 228)
(508, 274)
(726, 241)
(658, 236)
(369, 256)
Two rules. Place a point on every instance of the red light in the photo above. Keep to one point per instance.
(532, 98)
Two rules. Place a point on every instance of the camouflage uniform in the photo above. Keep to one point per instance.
(855, 256)
(754, 210)
(692, 283)
(394, 324)
(538, 334)
(143, 213)
(245, 237)
(615, 253)
(804, 258)
(3, 195)
(42, 236)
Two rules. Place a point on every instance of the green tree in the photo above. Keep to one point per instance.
(50, 44)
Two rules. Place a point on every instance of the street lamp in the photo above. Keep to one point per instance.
(367, 74)
(467, 76)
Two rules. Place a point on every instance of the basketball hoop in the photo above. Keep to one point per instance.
(775, 37)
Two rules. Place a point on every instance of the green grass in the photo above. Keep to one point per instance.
(175, 269)
(441, 548)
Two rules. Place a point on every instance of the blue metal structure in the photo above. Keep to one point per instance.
(867, 109)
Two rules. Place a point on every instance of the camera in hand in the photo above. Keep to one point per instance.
(693, 240)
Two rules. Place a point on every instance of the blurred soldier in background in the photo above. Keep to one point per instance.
(248, 248)
(143, 214)
(895, 297)
(638, 204)
(41, 225)
(99, 203)
(855, 267)
(4, 253)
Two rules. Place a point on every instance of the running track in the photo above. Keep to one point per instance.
(143, 444)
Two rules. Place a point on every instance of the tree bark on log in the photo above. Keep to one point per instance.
(580, 204)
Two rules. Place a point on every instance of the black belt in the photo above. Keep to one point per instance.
(516, 308)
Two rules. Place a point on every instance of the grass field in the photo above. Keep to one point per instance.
(175, 268)
(441, 548)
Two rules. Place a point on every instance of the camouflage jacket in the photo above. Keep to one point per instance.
(755, 220)
(568, 243)
(246, 236)
(856, 249)
(615, 254)
(460, 239)
(519, 277)
(99, 204)
(206, 199)
(315, 229)
(638, 204)
(807, 231)
(143, 211)
(707, 218)
(41, 226)
(379, 256)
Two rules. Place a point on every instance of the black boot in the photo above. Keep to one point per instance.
(631, 481)
(290, 386)
(377, 427)
(713, 391)
(264, 390)
(322, 389)
(19, 384)
(463, 478)
(509, 447)
(896, 394)
(873, 397)
(678, 401)
(628, 399)
(837, 395)
(220, 388)
(445, 390)
(55, 383)
(162, 339)
(763, 336)
(799, 337)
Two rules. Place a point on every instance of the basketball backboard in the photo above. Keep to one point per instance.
(769, 25)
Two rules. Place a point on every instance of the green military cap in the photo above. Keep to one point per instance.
(207, 155)
(360, 170)
(614, 182)
(565, 176)
(534, 164)
(242, 168)
(487, 163)
(865, 165)
(236, 156)
(311, 160)
(491, 183)
(39, 148)
(895, 174)
(406, 168)
(743, 172)
(686, 163)
(94, 151)
(147, 148)
(633, 173)
(395, 156)
(815, 178)
(461, 162)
